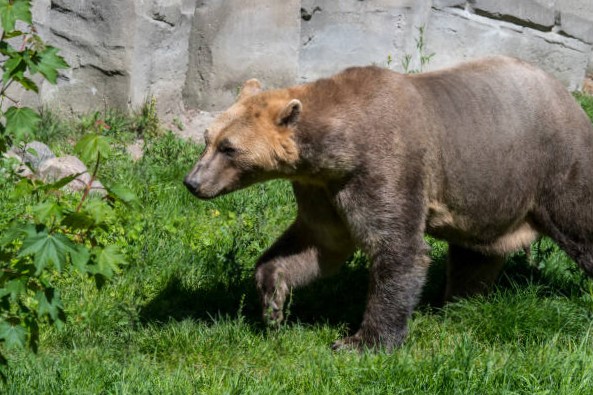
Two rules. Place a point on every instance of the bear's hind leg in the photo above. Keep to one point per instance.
(575, 237)
(470, 272)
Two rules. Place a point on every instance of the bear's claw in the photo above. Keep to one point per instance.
(350, 343)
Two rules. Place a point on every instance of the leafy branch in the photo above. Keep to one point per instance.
(54, 233)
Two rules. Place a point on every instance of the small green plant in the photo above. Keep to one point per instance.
(147, 120)
(178, 123)
(423, 57)
(52, 126)
(51, 232)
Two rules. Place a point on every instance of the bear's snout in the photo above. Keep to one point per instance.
(192, 184)
(200, 188)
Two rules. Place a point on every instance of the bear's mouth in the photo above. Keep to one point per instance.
(202, 193)
(195, 188)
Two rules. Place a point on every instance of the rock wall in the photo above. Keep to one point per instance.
(194, 54)
(235, 40)
(335, 34)
(95, 40)
(556, 35)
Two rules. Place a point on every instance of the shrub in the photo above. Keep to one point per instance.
(45, 232)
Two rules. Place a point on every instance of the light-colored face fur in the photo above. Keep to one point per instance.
(252, 141)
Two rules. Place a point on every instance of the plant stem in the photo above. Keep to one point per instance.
(87, 189)
(5, 87)
(17, 102)
(3, 90)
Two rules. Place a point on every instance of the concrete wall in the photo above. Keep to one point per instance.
(194, 54)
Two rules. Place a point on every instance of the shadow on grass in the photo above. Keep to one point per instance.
(339, 300)
(176, 301)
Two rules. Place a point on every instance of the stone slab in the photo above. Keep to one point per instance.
(235, 40)
(540, 13)
(342, 34)
(455, 35)
(160, 53)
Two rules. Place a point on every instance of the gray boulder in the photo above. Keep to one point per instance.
(33, 154)
(30, 157)
(20, 168)
(55, 169)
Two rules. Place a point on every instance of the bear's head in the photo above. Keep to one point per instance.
(252, 141)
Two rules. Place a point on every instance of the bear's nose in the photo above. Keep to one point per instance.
(191, 183)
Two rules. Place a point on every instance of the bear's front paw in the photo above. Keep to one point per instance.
(272, 290)
(272, 315)
(364, 341)
(350, 343)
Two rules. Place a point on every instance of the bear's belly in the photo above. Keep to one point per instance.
(489, 238)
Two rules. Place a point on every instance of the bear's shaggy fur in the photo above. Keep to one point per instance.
(486, 155)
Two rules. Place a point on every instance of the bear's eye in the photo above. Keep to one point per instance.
(226, 148)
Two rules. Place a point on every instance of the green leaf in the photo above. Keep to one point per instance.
(91, 146)
(13, 335)
(47, 249)
(21, 122)
(14, 288)
(60, 183)
(123, 193)
(26, 83)
(50, 62)
(22, 189)
(6, 49)
(108, 260)
(14, 65)
(80, 257)
(31, 58)
(99, 211)
(16, 231)
(13, 34)
(13, 10)
(46, 210)
(49, 304)
(78, 220)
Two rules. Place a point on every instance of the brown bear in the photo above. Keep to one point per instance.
(486, 155)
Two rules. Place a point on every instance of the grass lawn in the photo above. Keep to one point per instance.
(183, 316)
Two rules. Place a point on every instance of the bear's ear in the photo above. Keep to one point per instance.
(250, 87)
(290, 114)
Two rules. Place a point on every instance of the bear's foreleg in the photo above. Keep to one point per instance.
(387, 220)
(295, 259)
(396, 281)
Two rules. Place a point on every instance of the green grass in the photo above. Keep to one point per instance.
(183, 316)
(586, 102)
